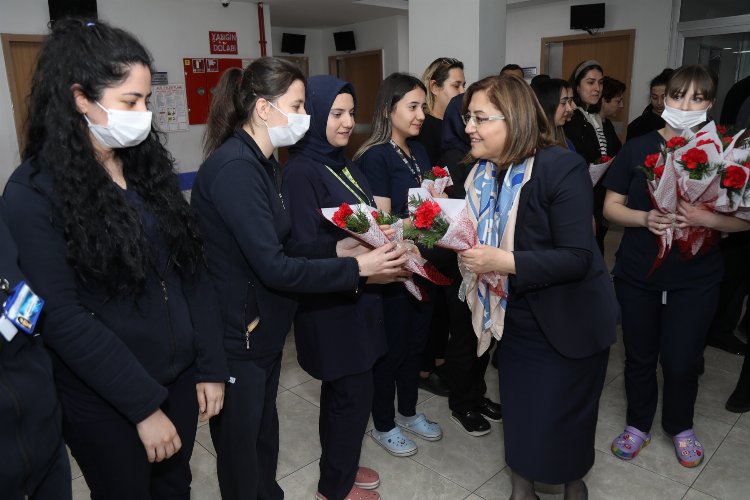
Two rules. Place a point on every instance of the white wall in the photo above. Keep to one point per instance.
(387, 33)
(651, 19)
(170, 29)
(437, 28)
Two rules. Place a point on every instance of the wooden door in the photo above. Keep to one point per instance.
(21, 52)
(614, 50)
(300, 61)
(364, 71)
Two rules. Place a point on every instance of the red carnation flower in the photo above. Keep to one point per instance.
(694, 157)
(659, 171)
(651, 160)
(340, 216)
(721, 129)
(425, 214)
(676, 142)
(439, 172)
(734, 177)
(726, 140)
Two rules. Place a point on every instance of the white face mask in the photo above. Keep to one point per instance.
(286, 135)
(124, 129)
(681, 120)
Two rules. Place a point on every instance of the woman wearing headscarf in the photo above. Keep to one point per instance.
(338, 336)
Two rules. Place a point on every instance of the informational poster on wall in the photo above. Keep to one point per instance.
(170, 107)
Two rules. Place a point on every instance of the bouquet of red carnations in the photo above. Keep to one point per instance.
(363, 222)
(445, 223)
(702, 169)
(438, 177)
(599, 168)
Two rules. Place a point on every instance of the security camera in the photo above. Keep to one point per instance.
(225, 3)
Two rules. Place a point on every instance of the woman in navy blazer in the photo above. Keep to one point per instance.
(561, 310)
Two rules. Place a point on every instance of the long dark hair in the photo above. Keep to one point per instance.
(392, 90)
(238, 90)
(548, 93)
(104, 235)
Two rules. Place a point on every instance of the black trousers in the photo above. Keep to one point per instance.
(464, 370)
(114, 462)
(406, 326)
(437, 340)
(670, 330)
(735, 286)
(246, 432)
(344, 410)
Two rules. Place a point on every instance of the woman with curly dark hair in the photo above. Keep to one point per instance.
(106, 237)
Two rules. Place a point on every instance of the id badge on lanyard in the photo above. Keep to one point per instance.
(20, 312)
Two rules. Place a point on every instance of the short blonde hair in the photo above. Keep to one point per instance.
(528, 127)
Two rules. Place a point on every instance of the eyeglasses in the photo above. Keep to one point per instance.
(476, 121)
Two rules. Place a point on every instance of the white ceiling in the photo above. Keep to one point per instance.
(328, 13)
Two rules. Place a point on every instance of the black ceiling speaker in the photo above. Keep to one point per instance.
(59, 9)
(292, 43)
(344, 41)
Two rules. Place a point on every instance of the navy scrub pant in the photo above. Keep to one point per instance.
(669, 329)
(464, 370)
(344, 410)
(407, 323)
(114, 461)
(246, 432)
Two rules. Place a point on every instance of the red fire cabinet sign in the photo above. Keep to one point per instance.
(223, 42)
(201, 77)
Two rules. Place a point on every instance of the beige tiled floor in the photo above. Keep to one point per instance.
(463, 467)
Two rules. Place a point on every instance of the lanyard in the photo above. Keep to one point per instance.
(351, 179)
(411, 162)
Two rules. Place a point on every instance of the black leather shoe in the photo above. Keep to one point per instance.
(490, 410)
(730, 344)
(471, 422)
(434, 384)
